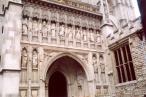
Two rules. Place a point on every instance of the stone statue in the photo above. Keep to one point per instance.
(24, 29)
(35, 59)
(25, 26)
(62, 31)
(92, 39)
(78, 34)
(30, 26)
(44, 29)
(24, 58)
(94, 59)
(70, 33)
(35, 28)
(53, 30)
(84, 35)
(102, 68)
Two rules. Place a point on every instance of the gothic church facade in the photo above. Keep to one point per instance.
(71, 48)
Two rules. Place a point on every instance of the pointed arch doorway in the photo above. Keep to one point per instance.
(66, 77)
(57, 85)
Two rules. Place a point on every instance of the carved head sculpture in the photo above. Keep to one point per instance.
(44, 23)
(101, 57)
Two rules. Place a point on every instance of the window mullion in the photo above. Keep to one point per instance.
(125, 71)
(128, 62)
(119, 66)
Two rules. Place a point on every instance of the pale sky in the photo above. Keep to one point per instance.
(136, 8)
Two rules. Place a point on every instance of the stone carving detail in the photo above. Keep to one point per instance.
(102, 68)
(92, 36)
(84, 35)
(25, 26)
(34, 93)
(35, 28)
(44, 29)
(62, 31)
(23, 93)
(70, 33)
(35, 59)
(55, 24)
(24, 62)
(53, 30)
(80, 79)
(78, 33)
(35, 66)
(94, 60)
(24, 58)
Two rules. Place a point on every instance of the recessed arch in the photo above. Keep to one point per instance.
(86, 67)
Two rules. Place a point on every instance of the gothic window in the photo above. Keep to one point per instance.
(124, 64)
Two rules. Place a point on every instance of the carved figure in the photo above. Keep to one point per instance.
(53, 30)
(62, 31)
(35, 28)
(84, 35)
(35, 59)
(92, 39)
(24, 58)
(70, 33)
(44, 29)
(24, 29)
(24, 26)
(78, 34)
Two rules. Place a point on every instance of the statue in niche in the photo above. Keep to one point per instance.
(35, 28)
(30, 26)
(24, 58)
(35, 59)
(70, 33)
(84, 35)
(39, 27)
(92, 39)
(98, 38)
(62, 31)
(44, 29)
(102, 68)
(94, 58)
(24, 29)
(78, 34)
(24, 26)
(53, 30)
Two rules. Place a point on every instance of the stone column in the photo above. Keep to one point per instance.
(41, 81)
(29, 70)
(91, 83)
(11, 51)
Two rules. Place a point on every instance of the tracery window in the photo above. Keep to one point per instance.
(124, 64)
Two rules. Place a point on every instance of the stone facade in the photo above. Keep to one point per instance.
(76, 38)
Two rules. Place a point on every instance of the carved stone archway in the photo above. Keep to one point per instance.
(89, 81)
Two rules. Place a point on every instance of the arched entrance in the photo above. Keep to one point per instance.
(57, 85)
(66, 78)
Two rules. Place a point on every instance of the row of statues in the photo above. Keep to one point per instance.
(24, 58)
(96, 68)
(53, 29)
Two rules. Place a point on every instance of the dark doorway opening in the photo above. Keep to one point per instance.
(57, 85)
